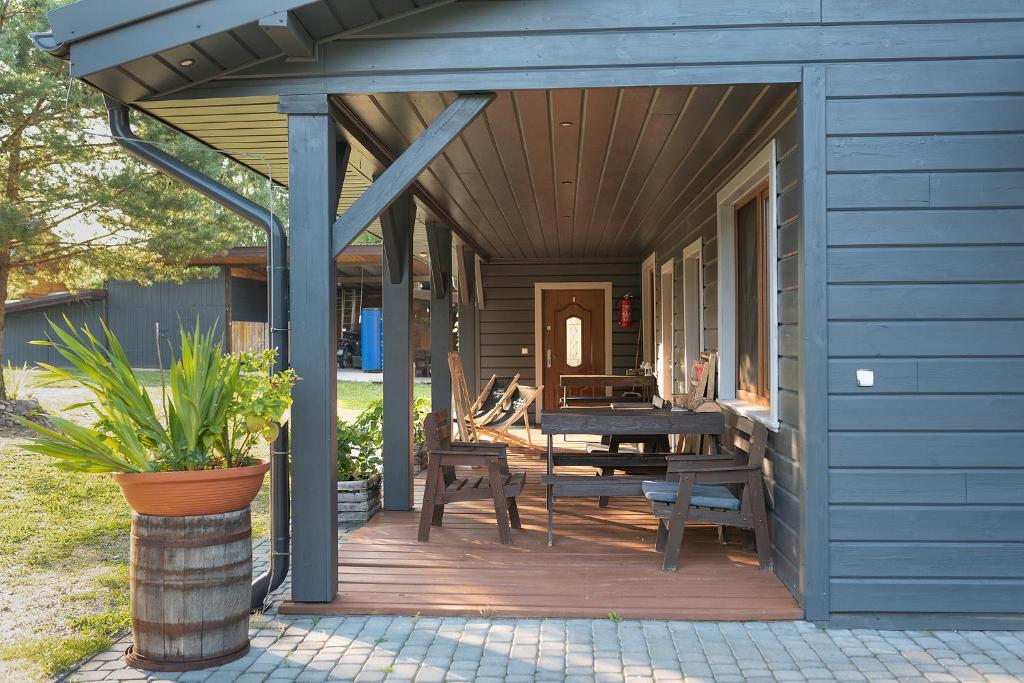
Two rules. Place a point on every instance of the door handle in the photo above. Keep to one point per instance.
(549, 357)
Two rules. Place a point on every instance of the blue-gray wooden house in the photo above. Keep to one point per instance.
(848, 174)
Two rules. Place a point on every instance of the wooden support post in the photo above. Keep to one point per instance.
(439, 241)
(313, 162)
(466, 262)
(467, 345)
(397, 225)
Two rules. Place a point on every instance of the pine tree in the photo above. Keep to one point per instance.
(77, 209)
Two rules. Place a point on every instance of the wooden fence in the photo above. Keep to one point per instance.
(248, 336)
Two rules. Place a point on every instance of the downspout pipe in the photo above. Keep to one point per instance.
(277, 314)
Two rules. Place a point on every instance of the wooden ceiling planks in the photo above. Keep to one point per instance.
(631, 117)
(541, 174)
(595, 125)
(605, 183)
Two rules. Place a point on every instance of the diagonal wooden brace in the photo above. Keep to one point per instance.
(403, 172)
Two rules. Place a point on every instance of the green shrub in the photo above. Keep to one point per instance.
(360, 441)
(18, 380)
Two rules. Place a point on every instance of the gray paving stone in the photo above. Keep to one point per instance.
(475, 649)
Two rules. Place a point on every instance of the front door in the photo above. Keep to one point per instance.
(573, 329)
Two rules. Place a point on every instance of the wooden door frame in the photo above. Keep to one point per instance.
(538, 326)
(667, 323)
(648, 299)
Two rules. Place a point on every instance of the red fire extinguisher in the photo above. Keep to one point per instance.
(626, 311)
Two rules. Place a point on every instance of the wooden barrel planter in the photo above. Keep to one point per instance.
(190, 585)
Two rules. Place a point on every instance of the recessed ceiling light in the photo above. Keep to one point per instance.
(565, 124)
(187, 62)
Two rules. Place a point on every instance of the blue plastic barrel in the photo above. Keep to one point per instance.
(372, 340)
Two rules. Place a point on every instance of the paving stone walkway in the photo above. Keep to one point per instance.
(490, 650)
(423, 649)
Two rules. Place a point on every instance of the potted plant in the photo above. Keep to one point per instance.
(194, 456)
(188, 470)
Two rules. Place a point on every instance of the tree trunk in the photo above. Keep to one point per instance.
(12, 195)
(5, 273)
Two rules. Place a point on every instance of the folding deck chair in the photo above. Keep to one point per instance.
(518, 409)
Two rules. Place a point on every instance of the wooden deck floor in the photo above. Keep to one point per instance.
(603, 561)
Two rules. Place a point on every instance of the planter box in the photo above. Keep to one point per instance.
(359, 500)
(419, 458)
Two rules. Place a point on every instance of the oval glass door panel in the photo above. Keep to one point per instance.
(573, 342)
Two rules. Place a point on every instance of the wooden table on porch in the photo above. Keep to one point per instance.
(647, 383)
(629, 419)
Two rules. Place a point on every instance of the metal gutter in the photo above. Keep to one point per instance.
(277, 255)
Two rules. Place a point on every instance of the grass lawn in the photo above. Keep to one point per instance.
(64, 544)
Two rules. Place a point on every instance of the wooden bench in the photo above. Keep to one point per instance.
(716, 489)
(443, 486)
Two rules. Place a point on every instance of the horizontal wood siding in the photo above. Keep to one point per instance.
(506, 323)
(782, 466)
(926, 288)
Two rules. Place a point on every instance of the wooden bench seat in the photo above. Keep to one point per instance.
(479, 488)
(584, 486)
(714, 489)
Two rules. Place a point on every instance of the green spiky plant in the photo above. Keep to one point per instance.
(213, 408)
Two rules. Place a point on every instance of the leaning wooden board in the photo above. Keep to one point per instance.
(610, 420)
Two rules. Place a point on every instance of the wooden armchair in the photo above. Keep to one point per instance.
(443, 486)
(716, 489)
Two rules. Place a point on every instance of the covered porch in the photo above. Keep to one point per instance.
(603, 563)
(525, 203)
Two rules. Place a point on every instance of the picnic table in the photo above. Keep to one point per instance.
(619, 419)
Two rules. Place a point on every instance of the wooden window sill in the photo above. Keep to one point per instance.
(762, 414)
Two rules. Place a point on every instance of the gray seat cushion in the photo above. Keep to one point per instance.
(703, 495)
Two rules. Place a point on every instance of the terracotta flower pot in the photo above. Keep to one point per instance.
(203, 492)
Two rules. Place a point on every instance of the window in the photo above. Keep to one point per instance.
(573, 342)
(752, 297)
(747, 291)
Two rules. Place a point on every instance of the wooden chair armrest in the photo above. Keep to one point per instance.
(466, 453)
(688, 458)
(674, 468)
(492, 446)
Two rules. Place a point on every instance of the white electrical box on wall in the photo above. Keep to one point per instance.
(865, 378)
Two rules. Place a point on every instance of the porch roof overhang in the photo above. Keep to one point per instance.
(563, 173)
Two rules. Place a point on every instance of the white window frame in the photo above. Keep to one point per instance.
(648, 296)
(754, 173)
(666, 331)
(693, 308)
